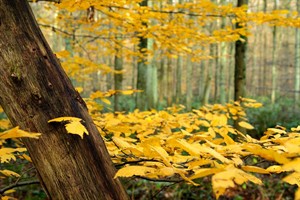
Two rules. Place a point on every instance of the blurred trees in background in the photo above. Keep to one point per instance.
(179, 52)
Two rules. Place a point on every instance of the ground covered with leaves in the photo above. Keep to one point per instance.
(171, 154)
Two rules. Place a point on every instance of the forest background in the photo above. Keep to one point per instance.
(151, 55)
(186, 59)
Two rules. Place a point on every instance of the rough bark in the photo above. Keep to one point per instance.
(34, 89)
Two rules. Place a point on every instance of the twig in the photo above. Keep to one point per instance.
(136, 162)
(160, 180)
(19, 184)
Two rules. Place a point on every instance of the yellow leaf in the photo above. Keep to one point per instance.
(96, 95)
(293, 165)
(198, 163)
(255, 169)
(296, 129)
(184, 145)
(9, 173)
(297, 194)
(205, 172)
(106, 101)
(17, 133)
(127, 92)
(26, 157)
(268, 154)
(293, 178)
(166, 171)
(163, 154)
(9, 192)
(121, 143)
(129, 171)
(6, 154)
(214, 154)
(4, 124)
(245, 125)
(73, 125)
(276, 130)
(79, 89)
(275, 169)
(7, 198)
(224, 179)
(62, 54)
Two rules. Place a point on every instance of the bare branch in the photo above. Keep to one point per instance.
(136, 162)
(54, 1)
(55, 29)
(160, 180)
(18, 184)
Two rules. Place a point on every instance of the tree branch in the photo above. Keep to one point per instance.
(18, 184)
(136, 162)
(35, 1)
(55, 29)
(160, 180)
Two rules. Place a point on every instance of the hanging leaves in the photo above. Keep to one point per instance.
(18, 133)
(73, 125)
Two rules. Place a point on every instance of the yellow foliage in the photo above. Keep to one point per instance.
(73, 125)
(128, 171)
(196, 144)
(9, 173)
(245, 125)
(18, 133)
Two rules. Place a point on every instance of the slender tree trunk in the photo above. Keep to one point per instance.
(297, 60)
(162, 81)
(223, 65)
(230, 84)
(152, 90)
(178, 79)
(217, 72)
(170, 86)
(264, 55)
(34, 89)
(208, 80)
(274, 61)
(189, 83)
(118, 78)
(240, 61)
(240, 67)
(141, 97)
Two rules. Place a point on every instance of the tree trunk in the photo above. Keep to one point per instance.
(274, 60)
(178, 79)
(34, 89)
(118, 78)
(240, 62)
(152, 87)
(240, 67)
(141, 97)
(297, 60)
(223, 65)
(189, 84)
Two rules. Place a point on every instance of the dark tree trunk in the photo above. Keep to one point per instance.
(34, 89)
(240, 67)
(240, 61)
